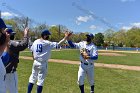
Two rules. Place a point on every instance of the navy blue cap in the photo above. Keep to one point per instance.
(2, 24)
(46, 32)
(10, 31)
(90, 35)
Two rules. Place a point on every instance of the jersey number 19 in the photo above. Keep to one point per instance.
(39, 48)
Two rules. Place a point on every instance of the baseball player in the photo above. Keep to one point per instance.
(41, 50)
(88, 53)
(13, 50)
(3, 43)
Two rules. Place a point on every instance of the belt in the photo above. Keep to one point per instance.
(86, 63)
(11, 71)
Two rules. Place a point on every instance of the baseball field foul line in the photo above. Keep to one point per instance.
(116, 66)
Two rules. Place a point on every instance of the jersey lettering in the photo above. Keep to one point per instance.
(39, 48)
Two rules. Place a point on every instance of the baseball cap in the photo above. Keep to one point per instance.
(90, 35)
(10, 31)
(2, 24)
(46, 32)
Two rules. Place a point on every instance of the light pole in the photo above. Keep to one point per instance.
(59, 31)
(26, 22)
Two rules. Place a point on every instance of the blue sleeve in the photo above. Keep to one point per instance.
(71, 44)
(5, 57)
(94, 57)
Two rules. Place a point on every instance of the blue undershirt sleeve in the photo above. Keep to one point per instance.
(5, 57)
(94, 57)
(71, 44)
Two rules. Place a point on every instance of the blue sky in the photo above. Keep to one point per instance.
(92, 16)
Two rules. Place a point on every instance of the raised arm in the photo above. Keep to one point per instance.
(20, 46)
(73, 45)
(67, 35)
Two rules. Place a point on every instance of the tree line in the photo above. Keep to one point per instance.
(121, 38)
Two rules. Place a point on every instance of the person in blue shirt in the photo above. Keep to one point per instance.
(13, 49)
(3, 43)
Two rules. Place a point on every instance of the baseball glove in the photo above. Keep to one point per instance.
(84, 53)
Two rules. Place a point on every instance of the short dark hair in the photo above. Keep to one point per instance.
(2, 38)
(2, 35)
(45, 32)
(2, 24)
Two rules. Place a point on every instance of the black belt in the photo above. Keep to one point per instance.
(11, 71)
(86, 63)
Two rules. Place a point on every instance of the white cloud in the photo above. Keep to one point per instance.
(53, 25)
(137, 24)
(93, 27)
(8, 14)
(126, 27)
(78, 23)
(81, 19)
(131, 25)
(128, 0)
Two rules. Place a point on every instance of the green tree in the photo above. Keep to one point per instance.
(108, 37)
(133, 37)
(99, 39)
(14, 25)
(119, 38)
(54, 33)
(38, 29)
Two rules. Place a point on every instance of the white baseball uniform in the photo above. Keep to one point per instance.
(86, 65)
(41, 53)
(2, 77)
(11, 81)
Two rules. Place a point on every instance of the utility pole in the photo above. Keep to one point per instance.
(26, 22)
(59, 31)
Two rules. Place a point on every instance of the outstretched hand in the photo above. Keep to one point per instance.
(26, 32)
(68, 34)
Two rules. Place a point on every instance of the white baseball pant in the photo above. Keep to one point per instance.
(86, 70)
(39, 71)
(11, 82)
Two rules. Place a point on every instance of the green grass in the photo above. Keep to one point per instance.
(129, 59)
(63, 54)
(26, 53)
(62, 78)
(66, 54)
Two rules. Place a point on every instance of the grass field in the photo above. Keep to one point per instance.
(128, 59)
(62, 78)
